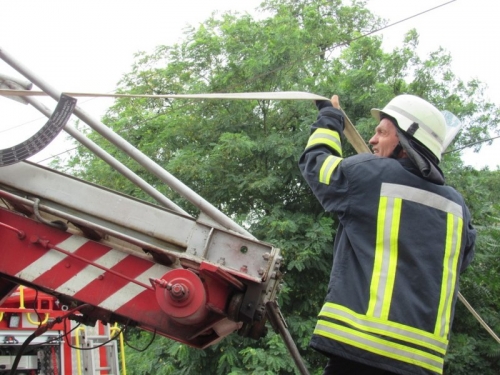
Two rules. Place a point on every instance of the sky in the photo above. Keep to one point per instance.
(87, 46)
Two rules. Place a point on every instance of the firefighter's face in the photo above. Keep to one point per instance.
(385, 139)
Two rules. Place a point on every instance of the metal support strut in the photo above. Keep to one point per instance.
(279, 325)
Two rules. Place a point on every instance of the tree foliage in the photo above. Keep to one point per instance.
(241, 156)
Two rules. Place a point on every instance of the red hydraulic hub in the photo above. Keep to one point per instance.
(181, 294)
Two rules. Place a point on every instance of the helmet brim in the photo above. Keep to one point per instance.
(398, 120)
(376, 113)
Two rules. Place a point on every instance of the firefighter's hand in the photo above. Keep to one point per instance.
(320, 104)
(335, 101)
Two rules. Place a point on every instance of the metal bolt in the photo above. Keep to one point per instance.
(244, 269)
(37, 240)
(261, 271)
(178, 291)
(266, 256)
(222, 261)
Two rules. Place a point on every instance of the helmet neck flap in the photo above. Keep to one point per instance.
(421, 157)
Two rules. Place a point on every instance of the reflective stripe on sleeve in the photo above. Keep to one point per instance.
(325, 137)
(329, 165)
(379, 346)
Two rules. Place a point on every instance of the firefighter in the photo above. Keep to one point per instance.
(402, 241)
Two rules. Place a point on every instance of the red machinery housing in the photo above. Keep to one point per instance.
(57, 350)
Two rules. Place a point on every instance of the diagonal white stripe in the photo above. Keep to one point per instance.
(91, 273)
(131, 290)
(51, 258)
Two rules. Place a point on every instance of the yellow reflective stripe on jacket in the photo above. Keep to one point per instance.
(325, 137)
(386, 328)
(386, 250)
(450, 266)
(454, 227)
(379, 346)
(331, 162)
(386, 257)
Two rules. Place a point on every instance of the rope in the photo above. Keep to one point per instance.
(283, 95)
(478, 318)
(350, 132)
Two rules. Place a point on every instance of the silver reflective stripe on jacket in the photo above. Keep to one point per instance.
(421, 196)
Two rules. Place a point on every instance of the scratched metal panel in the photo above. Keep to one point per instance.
(154, 225)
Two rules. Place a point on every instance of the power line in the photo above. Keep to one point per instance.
(349, 41)
(285, 65)
(56, 155)
(471, 144)
(41, 118)
(19, 125)
(403, 20)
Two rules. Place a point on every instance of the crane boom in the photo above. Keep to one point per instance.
(133, 262)
(116, 259)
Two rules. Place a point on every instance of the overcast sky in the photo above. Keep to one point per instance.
(87, 46)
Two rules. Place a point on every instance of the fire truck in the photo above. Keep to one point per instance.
(65, 347)
(84, 254)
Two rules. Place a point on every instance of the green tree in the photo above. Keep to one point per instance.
(472, 349)
(241, 156)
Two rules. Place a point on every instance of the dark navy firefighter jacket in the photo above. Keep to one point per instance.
(400, 247)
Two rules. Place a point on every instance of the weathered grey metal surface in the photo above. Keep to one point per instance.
(131, 151)
(178, 235)
(114, 163)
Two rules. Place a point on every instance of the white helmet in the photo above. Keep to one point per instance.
(418, 118)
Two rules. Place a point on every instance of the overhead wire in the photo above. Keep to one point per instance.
(471, 144)
(19, 125)
(41, 118)
(403, 20)
(329, 49)
(58, 154)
